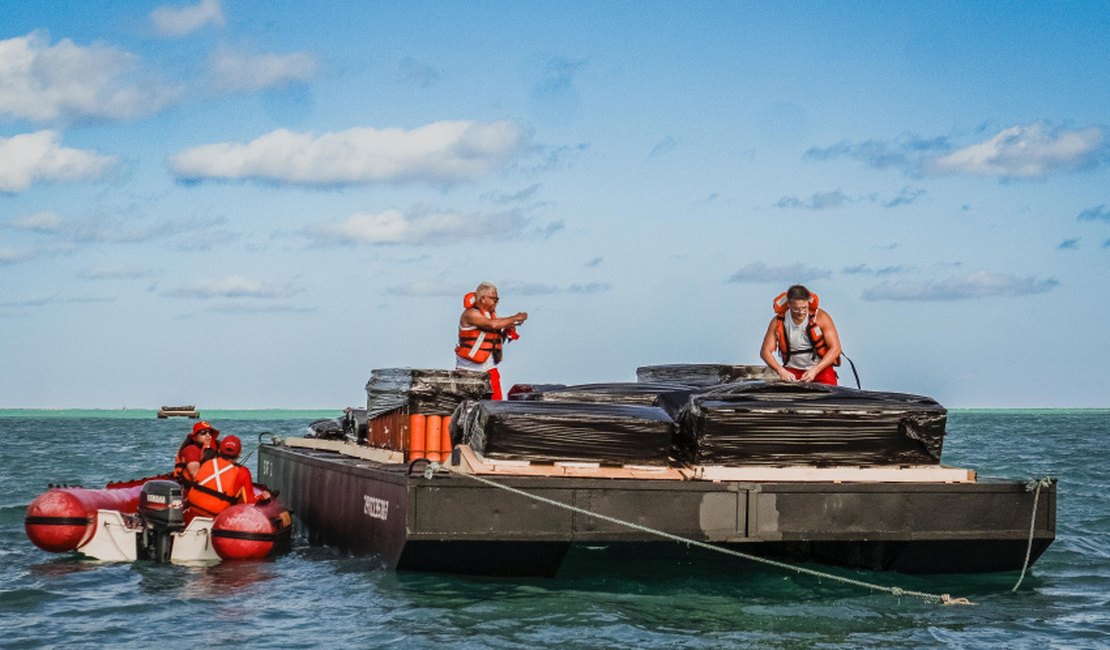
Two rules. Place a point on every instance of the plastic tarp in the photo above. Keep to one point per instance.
(643, 393)
(702, 374)
(612, 434)
(431, 392)
(788, 423)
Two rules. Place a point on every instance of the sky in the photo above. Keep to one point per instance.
(252, 204)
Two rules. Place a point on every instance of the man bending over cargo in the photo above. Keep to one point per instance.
(482, 334)
(804, 336)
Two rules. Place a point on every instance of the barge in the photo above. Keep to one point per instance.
(858, 485)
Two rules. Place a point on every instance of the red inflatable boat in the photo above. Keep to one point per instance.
(94, 521)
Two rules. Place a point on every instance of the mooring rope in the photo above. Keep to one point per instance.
(1033, 486)
(944, 599)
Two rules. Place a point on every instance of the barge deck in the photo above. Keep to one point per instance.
(372, 504)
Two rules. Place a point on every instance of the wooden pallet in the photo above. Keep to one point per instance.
(348, 449)
(842, 474)
(475, 463)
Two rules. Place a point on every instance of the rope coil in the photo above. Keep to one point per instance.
(943, 599)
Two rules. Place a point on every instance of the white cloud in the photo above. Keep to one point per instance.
(179, 21)
(433, 287)
(12, 255)
(982, 284)
(1024, 151)
(791, 274)
(235, 286)
(441, 152)
(236, 71)
(424, 227)
(47, 222)
(67, 82)
(115, 272)
(32, 157)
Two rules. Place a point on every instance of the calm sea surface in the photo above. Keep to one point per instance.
(314, 597)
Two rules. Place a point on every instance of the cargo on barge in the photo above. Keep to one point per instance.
(826, 474)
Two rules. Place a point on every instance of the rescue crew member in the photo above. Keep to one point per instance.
(805, 338)
(199, 446)
(482, 335)
(221, 482)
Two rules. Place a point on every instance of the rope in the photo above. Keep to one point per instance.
(1033, 486)
(944, 599)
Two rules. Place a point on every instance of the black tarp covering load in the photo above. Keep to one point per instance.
(613, 434)
(758, 423)
(701, 374)
(431, 392)
(642, 393)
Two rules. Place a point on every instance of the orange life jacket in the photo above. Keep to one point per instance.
(477, 344)
(813, 331)
(218, 484)
(180, 466)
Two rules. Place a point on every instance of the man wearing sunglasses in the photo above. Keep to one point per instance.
(199, 446)
(482, 335)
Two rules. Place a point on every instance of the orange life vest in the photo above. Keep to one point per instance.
(218, 484)
(813, 331)
(180, 466)
(477, 344)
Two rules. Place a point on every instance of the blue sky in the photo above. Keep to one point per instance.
(246, 204)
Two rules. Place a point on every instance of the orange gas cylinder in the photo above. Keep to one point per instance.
(432, 437)
(416, 436)
(445, 439)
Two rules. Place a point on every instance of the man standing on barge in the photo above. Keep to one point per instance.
(482, 335)
(807, 340)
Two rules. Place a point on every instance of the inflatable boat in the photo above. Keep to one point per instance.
(147, 519)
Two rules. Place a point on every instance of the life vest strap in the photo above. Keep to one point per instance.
(214, 493)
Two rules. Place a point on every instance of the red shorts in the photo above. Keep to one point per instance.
(826, 376)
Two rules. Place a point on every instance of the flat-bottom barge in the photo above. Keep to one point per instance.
(899, 515)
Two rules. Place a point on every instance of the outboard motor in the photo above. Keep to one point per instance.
(162, 511)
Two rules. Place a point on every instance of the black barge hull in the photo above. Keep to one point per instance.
(452, 524)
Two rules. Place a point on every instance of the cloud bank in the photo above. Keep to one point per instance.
(961, 287)
(429, 227)
(438, 153)
(31, 157)
(179, 21)
(66, 82)
(235, 286)
(1033, 150)
(791, 274)
(240, 72)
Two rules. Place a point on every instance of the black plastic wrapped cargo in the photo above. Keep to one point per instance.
(422, 391)
(795, 423)
(610, 434)
(702, 374)
(642, 393)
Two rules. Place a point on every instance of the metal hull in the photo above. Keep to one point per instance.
(452, 524)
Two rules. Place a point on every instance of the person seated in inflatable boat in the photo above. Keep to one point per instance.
(200, 445)
(221, 482)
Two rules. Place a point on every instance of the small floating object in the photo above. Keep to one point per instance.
(178, 412)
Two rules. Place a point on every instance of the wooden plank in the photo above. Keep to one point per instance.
(844, 474)
(348, 449)
(475, 463)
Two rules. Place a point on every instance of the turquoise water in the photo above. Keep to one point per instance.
(314, 597)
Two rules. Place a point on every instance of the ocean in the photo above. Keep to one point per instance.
(316, 597)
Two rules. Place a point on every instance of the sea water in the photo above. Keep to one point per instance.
(316, 597)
